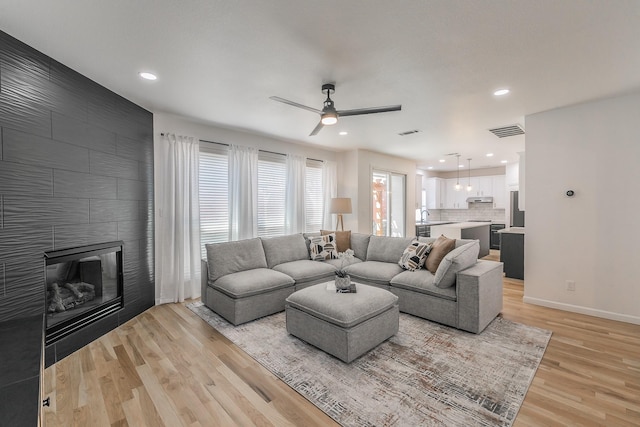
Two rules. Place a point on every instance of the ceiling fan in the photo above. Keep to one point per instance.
(329, 115)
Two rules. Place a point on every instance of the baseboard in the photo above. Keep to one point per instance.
(583, 310)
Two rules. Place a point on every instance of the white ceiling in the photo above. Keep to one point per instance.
(220, 61)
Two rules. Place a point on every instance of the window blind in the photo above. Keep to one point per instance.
(214, 195)
(272, 175)
(313, 199)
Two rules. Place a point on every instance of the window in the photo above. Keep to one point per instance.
(272, 181)
(388, 203)
(313, 197)
(214, 194)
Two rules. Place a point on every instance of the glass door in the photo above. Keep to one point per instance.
(388, 203)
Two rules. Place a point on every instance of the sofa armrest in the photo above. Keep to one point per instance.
(479, 295)
(204, 278)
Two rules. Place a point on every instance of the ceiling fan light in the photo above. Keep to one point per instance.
(329, 119)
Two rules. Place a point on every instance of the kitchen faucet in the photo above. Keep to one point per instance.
(422, 219)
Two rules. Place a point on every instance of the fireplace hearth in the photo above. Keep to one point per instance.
(82, 285)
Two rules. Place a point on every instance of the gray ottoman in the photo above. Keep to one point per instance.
(343, 325)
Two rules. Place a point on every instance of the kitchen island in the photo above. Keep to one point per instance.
(466, 230)
(512, 252)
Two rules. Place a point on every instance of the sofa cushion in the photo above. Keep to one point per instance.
(359, 244)
(414, 255)
(231, 257)
(386, 249)
(344, 310)
(306, 270)
(282, 249)
(256, 281)
(422, 281)
(343, 239)
(375, 272)
(442, 246)
(458, 259)
(323, 247)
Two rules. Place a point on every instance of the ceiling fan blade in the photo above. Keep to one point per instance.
(359, 111)
(295, 104)
(317, 129)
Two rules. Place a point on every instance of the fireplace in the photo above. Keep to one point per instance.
(82, 285)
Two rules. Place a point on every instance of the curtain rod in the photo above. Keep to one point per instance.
(264, 151)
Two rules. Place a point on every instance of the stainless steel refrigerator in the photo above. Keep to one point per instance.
(517, 216)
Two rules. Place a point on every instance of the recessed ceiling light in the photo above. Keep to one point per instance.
(343, 132)
(441, 160)
(460, 166)
(504, 161)
(147, 76)
(501, 92)
(430, 167)
(489, 154)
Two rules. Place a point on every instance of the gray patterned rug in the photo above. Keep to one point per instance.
(426, 375)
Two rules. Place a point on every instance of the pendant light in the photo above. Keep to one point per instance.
(458, 186)
(469, 187)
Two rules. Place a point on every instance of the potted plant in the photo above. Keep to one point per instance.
(343, 281)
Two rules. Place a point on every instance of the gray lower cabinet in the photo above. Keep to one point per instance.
(423, 230)
(512, 254)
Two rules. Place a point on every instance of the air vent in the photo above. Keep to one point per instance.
(505, 131)
(409, 132)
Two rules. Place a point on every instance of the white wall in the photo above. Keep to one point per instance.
(348, 186)
(163, 122)
(592, 238)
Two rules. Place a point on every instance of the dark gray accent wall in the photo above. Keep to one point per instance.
(76, 168)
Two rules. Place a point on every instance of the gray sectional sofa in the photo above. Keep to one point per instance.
(248, 279)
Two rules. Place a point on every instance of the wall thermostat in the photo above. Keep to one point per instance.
(570, 193)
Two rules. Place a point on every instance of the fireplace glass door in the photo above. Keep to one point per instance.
(83, 284)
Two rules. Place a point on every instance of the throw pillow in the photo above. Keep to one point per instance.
(323, 247)
(414, 256)
(343, 239)
(457, 260)
(441, 247)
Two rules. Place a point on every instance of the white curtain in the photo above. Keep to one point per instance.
(329, 190)
(294, 219)
(178, 229)
(243, 192)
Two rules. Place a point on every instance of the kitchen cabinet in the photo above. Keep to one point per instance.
(512, 251)
(467, 230)
(422, 230)
(481, 186)
(455, 199)
(499, 192)
(441, 193)
(436, 189)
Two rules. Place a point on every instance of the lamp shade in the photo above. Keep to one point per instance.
(340, 205)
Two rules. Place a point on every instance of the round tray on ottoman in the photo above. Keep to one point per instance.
(345, 325)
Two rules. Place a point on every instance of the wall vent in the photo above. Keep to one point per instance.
(409, 132)
(505, 131)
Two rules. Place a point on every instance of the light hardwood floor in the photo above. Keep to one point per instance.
(167, 367)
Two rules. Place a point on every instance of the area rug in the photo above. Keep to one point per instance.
(426, 375)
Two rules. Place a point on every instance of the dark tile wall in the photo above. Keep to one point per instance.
(76, 168)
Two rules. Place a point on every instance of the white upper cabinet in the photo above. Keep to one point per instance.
(499, 192)
(480, 186)
(441, 193)
(436, 190)
(455, 199)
